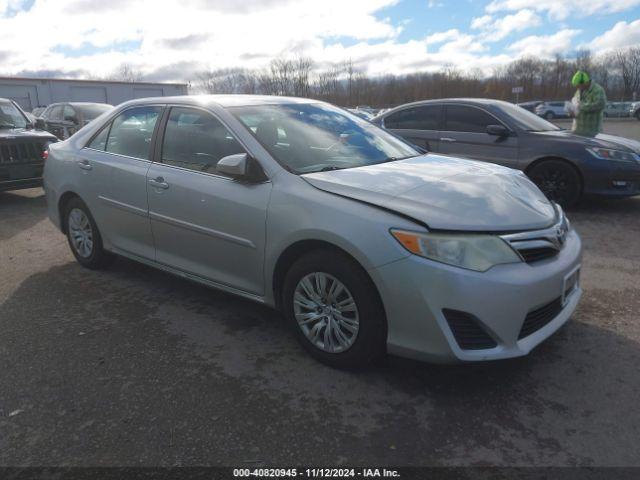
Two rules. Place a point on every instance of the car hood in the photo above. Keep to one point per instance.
(603, 140)
(445, 193)
(11, 133)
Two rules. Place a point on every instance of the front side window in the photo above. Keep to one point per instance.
(196, 140)
(69, 114)
(10, 116)
(55, 113)
(460, 118)
(313, 137)
(131, 132)
(415, 118)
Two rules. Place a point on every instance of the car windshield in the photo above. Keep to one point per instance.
(525, 119)
(91, 112)
(313, 137)
(10, 116)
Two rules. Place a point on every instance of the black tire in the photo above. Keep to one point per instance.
(558, 180)
(370, 341)
(549, 115)
(638, 115)
(98, 257)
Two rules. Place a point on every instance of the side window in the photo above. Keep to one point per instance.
(196, 140)
(69, 114)
(467, 119)
(416, 118)
(131, 132)
(55, 113)
(99, 142)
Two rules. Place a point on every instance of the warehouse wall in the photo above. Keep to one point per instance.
(30, 93)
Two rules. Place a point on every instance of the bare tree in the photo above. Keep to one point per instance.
(127, 73)
(629, 64)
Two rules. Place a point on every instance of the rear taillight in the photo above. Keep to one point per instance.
(45, 154)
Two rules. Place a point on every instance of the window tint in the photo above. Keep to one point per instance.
(467, 119)
(415, 118)
(131, 132)
(100, 141)
(196, 140)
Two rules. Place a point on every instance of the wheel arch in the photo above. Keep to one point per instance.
(62, 203)
(302, 247)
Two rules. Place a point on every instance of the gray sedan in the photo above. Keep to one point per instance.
(565, 166)
(365, 244)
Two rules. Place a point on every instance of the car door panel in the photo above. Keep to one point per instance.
(209, 226)
(476, 145)
(203, 223)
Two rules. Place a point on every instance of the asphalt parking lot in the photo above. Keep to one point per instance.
(132, 366)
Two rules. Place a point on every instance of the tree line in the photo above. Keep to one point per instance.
(346, 84)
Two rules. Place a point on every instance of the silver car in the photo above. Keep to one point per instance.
(365, 244)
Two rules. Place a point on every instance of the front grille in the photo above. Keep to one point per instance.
(538, 318)
(532, 255)
(535, 246)
(20, 152)
(467, 331)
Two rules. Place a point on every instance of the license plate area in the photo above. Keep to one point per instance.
(570, 284)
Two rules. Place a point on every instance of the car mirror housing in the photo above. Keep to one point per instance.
(241, 167)
(498, 130)
(39, 124)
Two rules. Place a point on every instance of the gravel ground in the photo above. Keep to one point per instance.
(131, 366)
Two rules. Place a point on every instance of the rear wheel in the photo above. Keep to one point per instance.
(559, 181)
(334, 310)
(84, 237)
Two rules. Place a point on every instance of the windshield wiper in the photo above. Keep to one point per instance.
(7, 125)
(330, 168)
(395, 159)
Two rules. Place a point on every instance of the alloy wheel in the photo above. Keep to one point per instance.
(326, 312)
(80, 232)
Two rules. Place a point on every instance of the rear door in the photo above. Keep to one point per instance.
(205, 223)
(114, 165)
(465, 135)
(419, 125)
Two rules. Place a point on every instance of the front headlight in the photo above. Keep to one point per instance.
(472, 251)
(614, 155)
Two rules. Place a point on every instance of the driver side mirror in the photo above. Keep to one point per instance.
(497, 130)
(40, 125)
(241, 167)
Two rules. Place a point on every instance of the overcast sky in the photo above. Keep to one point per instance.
(171, 40)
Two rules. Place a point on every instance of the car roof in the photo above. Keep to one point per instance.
(223, 100)
(460, 101)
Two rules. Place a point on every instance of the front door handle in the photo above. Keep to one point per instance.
(447, 139)
(159, 183)
(84, 165)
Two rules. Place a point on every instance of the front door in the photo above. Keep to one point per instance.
(464, 134)
(204, 223)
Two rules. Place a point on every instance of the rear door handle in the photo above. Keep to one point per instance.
(84, 165)
(159, 183)
(447, 139)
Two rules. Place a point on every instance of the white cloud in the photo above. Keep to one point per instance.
(545, 46)
(495, 30)
(563, 9)
(441, 37)
(622, 35)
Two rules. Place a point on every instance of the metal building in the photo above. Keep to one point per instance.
(33, 92)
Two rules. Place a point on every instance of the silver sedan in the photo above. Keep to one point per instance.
(364, 243)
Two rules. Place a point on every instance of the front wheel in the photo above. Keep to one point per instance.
(334, 309)
(84, 237)
(558, 180)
